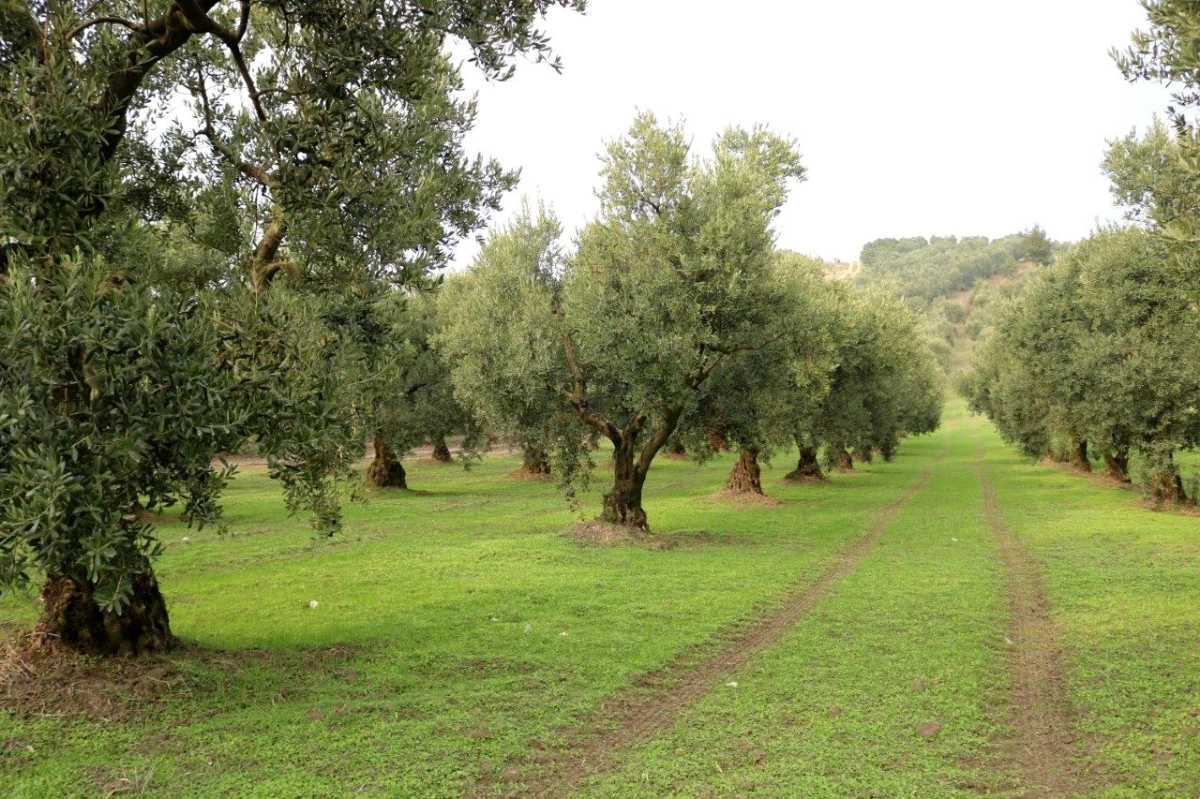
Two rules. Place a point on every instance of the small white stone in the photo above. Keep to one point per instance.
(953, 539)
(731, 684)
(564, 634)
(495, 619)
(313, 605)
(1008, 640)
(187, 540)
(528, 628)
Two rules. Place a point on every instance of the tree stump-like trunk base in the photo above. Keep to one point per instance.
(534, 462)
(1116, 468)
(746, 475)
(808, 468)
(386, 471)
(1166, 488)
(1079, 457)
(624, 514)
(843, 461)
(72, 619)
(441, 452)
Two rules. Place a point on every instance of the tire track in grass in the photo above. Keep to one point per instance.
(656, 700)
(1039, 746)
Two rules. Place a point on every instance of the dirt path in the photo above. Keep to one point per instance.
(1039, 747)
(655, 701)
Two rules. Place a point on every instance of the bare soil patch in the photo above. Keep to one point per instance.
(37, 679)
(40, 680)
(653, 702)
(792, 477)
(527, 474)
(747, 498)
(1039, 745)
(602, 534)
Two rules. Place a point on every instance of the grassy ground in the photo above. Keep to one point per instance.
(459, 631)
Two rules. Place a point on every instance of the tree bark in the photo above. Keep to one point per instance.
(441, 452)
(72, 618)
(1079, 455)
(676, 450)
(1163, 480)
(623, 504)
(386, 471)
(863, 454)
(808, 468)
(840, 457)
(534, 460)
(746, 476)
(1116, 465)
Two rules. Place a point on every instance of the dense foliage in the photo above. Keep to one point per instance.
(138, 243)
(1099, 354)
(676, 316)
(929, 268)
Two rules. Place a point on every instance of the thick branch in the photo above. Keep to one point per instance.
(577, 396)
(147, 45)
(593, 418)
(665, 428)
(263, 265)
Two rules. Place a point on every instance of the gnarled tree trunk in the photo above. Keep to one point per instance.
(1163, 481)
(72, 618)
(863, 454)
(840, 457)
(1116, 464)
(534, 460)
(676, 450)
(441, 452)
(1079, 455)
(746, 476)
(808, 468)
(386, 470)
(623, 504)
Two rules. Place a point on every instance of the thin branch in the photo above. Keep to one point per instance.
(249, 170)
(91, 23)
(255, 100)
(694, 380)
(244, 22)
(202, 22)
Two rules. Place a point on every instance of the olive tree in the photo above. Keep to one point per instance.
(497, 342)
(324, 143)
(671, 282)
(885, 384)
(408, 397)
(1101, 350)
(749, 404)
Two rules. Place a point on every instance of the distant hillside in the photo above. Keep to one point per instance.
(956, 280)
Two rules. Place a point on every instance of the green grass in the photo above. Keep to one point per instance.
(910, 637)
(1125, 584)
(437, 649)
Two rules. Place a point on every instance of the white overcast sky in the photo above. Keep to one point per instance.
(926, 117)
